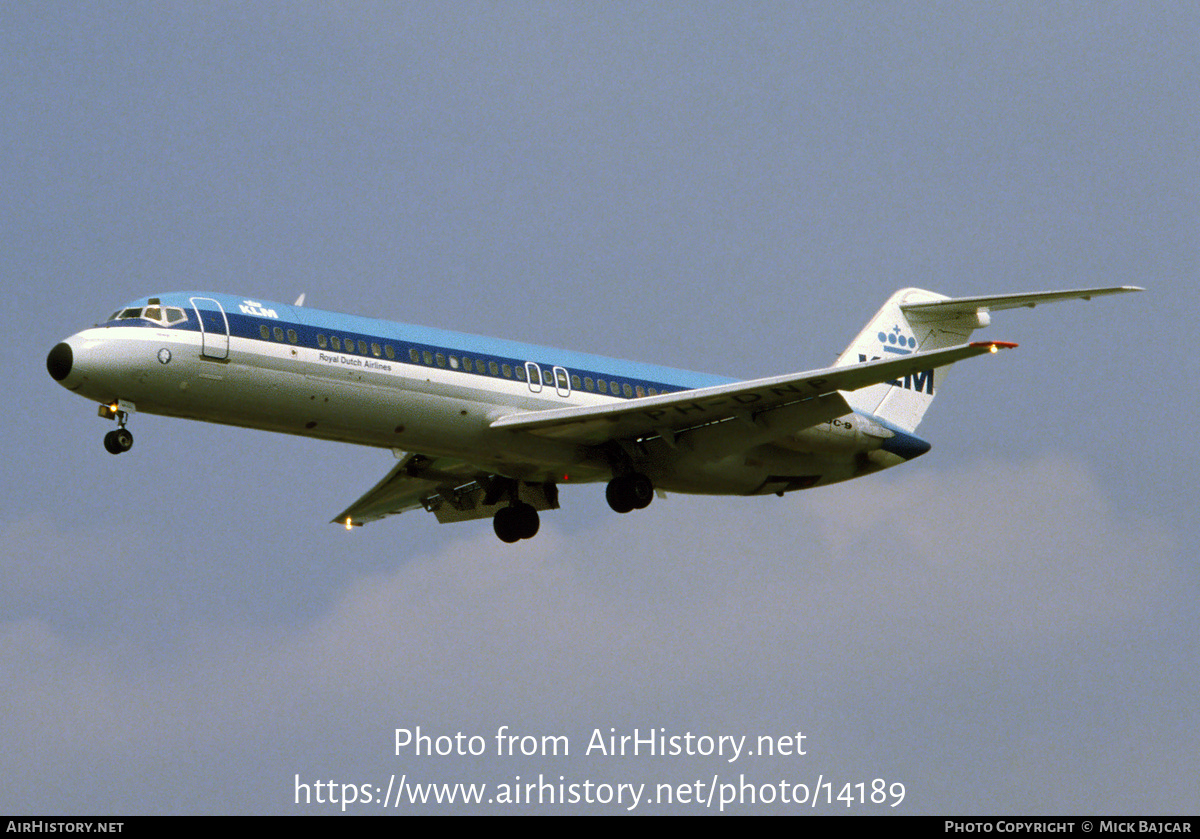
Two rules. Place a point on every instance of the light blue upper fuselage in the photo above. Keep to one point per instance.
(315, 328)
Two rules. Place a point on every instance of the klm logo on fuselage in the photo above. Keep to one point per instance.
(897, 343)
(249, 307)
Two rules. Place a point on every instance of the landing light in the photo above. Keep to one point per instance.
(349, 523)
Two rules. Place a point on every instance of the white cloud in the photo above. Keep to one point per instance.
(702, 611)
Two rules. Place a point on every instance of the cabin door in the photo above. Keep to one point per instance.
(214, 328)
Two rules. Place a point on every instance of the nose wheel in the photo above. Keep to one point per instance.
(116, 442)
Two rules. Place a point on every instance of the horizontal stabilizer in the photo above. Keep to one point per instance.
(954, 306)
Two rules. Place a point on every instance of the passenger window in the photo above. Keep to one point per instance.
(362, 347)
(376, 350)
(493, 368)
(292, 336)
(389, 352)
(588, 383)
(640, 391)
(413, 355)
(265, 332)
(278, 332)
(507, 371)
(602, 385)
(322, 341)
(427, 356)
(453, 362)
(520, 373)
(466, 364)
(336, 342)
(628, 390)
(441, 360)
(574, 382)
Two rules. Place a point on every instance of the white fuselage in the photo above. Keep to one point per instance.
(382, 397)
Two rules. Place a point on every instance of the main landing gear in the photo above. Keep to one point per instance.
(519, 520)
(120, 440)
(629, 492)
(516, 522)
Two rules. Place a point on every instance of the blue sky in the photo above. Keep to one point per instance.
(1006, 625)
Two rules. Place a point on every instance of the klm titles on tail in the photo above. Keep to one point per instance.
(897, 343)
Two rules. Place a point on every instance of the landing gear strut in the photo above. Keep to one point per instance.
(516, 522)
(629, 492)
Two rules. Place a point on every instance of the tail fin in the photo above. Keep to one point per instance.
(892, 332)
(914, 319)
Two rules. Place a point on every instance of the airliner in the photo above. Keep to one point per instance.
(487, 428)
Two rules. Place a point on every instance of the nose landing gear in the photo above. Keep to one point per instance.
(121, 439)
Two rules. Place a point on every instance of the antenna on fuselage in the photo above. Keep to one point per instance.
(300, 299)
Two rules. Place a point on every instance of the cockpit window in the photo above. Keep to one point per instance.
(166, 315)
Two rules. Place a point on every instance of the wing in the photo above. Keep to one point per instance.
(813, 396)
(415, 478)
(453, 490)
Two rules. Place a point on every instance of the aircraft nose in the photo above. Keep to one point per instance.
(59, 361)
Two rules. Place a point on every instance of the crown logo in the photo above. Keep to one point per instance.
(897, 342)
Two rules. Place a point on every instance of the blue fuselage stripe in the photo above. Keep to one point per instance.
(312, 326)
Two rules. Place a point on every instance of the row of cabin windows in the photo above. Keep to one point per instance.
(508, 371)
(328, 342)
(266, 331)
(466, 363)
